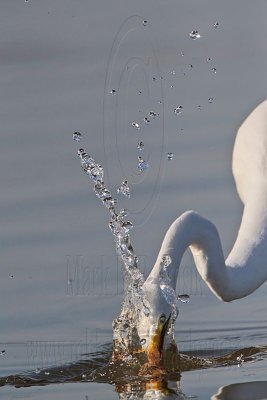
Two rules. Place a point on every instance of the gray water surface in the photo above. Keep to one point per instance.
(60, 277)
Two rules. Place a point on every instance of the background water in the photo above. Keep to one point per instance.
(60, 278)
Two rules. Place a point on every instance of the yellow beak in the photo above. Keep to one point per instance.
(155, 348)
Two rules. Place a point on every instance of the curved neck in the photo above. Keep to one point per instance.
(243, 271)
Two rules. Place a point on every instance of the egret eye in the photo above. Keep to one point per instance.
(162, 319)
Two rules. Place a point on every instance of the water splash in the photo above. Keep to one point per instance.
(124, 327)
(167, 290)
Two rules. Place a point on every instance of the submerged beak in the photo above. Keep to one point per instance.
(155, 348)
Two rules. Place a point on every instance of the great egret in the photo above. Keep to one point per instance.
(245, 269)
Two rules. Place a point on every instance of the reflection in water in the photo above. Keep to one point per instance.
(242, 391)
(155, 389)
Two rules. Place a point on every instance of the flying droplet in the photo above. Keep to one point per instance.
(143, 341)
(109, 202)
(170, 156)
(47, 373)
(194, 35)
(184, 298)
(199, 107)
(211, 100)
(139, 92)
(142, 165)
(37, 371)
(77, 136)
(216, 25)
(146, 120)
(214, 70)
(153, 114)
(140, 146)
(113, 92)
(178, 110)
(209, 59)
(154, 79)
(2, 352)
(136, 125)
(124, 189)
(145, 22)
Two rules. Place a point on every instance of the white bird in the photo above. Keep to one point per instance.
(245, 269)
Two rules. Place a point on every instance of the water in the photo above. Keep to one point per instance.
(194, 35)
(54, 230)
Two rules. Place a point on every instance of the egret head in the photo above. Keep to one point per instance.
(155, 323)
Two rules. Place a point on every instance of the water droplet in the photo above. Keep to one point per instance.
(2, 352)
(113, 92)
(136, 125)
(146, 120)
(11, 276)
(182, 53)
(69, 281)
(124, 189)
(123, 213)
(139, 92)
(194, 35)
(140, 146)
(142, 165)
(153, 114)
(209, 59)
(37, 371)
(143, 341)
(178, 110)
(191, 66)
(77, 136)
(214, 70)
(170, 156)
(184, 298)
(154, 79)
(145, 22)
(166, 260)
(199, 107)
(216, 25)
(109, 202)
(47, 373)
(173, 72)
(95, 172)
(101, 191)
